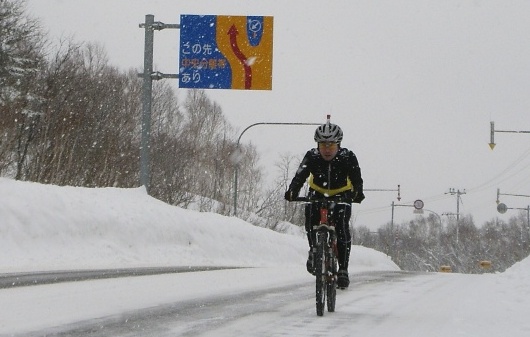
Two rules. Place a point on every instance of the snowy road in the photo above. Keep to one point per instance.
(376, 304)
(265, 302)
(291, 311)
(277, 310)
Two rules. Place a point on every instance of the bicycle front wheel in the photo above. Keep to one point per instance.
(320, 272)
(331, 285)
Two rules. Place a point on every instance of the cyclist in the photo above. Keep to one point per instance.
(333, 171)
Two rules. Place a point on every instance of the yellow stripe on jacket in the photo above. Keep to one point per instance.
(326, 191)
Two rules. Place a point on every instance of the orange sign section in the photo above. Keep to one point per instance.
(246, 42)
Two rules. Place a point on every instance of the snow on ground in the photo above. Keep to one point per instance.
(45, 227)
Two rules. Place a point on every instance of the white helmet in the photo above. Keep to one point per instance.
(328, 133)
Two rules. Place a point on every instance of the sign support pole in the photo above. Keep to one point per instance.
(147, 88)
(492, 134)
(146, 102)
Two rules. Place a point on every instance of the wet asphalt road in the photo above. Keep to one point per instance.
(12, 280)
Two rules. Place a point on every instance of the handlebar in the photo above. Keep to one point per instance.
(340, 200)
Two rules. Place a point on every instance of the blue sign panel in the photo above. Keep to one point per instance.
(201, 63)
(225, 52)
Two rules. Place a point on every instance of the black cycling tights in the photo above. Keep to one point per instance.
(340, 214)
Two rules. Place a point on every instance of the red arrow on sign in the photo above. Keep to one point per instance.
(233, 32)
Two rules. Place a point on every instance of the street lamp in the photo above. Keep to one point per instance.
(237, 157)
(437, 215)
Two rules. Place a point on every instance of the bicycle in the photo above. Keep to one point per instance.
(325, 252)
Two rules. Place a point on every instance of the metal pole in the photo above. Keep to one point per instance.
(385, 190)
(457, 216)
(146, 102)
(235, 184)
(236, 168)
(458, 194)
(392, 231)
(148, 76)
(527, 223)
(492, 133)
(392, 223)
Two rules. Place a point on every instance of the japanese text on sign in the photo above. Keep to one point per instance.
(226, 52)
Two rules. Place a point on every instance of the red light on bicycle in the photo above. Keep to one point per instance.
(323, 215)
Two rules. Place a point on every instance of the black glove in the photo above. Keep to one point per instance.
(348, 196)
(289, 195)
(359, 195)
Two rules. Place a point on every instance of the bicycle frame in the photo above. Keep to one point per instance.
(328, 225)
(325, 258)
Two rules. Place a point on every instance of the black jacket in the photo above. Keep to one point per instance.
(329, 177)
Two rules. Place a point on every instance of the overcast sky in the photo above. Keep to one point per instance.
(413, 83)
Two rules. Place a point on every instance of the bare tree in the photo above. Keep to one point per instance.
(210, 138)
(69, 118)
(21, 42)
(87, 120)
(273, 206)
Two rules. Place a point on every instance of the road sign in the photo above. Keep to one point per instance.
(225, 52)
(502, 208)
(418, 204)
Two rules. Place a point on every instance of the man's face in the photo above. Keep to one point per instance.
(328, 150)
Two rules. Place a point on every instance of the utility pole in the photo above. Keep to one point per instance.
(458, 193)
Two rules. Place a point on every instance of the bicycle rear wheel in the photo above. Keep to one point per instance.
(320, 272)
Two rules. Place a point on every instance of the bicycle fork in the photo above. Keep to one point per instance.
(327, 238)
